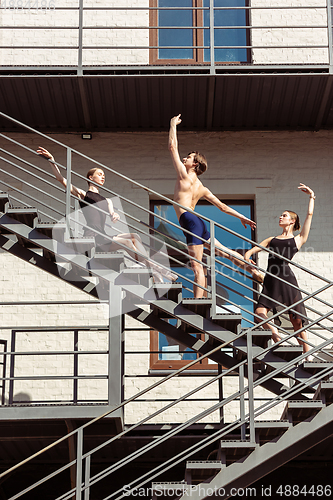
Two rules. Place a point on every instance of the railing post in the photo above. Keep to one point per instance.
(12, 368)
(330, 35)
(79, 62)
(242, 401)
(79, 464)
(68, 191)
(250, 382)
(75, 367)
(87, 478)
(212, 37)
(212, 268)
(116, 328)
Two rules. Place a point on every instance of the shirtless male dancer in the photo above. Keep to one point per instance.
(188, 191)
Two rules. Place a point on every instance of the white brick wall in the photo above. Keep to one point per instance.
(266, 166)
(270, 31)
(126, 29)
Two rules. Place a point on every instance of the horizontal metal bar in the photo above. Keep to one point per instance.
(164, 47)
(49, 303)
(59, 377)
(137, 8)
(156, 70)
(148, 27)
(56, 353)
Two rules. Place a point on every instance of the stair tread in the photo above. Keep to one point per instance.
(208, 464)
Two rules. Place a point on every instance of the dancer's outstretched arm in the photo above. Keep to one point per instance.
(55, 169)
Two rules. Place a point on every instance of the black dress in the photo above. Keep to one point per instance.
(277, 290)
(95, 219)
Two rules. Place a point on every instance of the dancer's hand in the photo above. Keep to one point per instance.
(44, 153)
(115, 217)
(247, 258)
(176, 120)
(306, 190)
(248, 222)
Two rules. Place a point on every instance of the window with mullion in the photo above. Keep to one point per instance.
(166, 353)
(181, 31)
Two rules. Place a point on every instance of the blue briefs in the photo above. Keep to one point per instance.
(195, 225)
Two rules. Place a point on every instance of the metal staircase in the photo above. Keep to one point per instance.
(248, 448)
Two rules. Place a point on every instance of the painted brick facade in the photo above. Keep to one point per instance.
(121, 37)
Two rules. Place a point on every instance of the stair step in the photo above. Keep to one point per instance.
(200, 470)
(4, 202)
(169, 490)
(325, 392)
(234, 450)
(298, 411)
(110, 260)
(198, 306)
(228, 317)
(25, 215)
(288, 353)
(52, 229)
(261, 337)
(266, 430)
(316, 366)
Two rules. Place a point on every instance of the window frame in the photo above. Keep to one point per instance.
(169, 364)
(198, 38)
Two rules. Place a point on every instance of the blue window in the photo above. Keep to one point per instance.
(170, 353)
(183, 31)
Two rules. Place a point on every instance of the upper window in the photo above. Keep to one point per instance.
(181, 31)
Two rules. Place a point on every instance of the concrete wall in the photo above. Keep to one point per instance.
(122, 36)
(264, 166)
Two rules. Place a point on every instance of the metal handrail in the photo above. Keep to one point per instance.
(80, 28)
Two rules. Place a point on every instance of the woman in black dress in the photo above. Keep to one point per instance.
(96, 219)
(274, 290)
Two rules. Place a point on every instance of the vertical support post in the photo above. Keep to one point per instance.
(79, 62)
(75, 367)
(87, 478)
(12, 367)
(212, 37)
(4, 364)
(220, 383)
(250, 382)
(68, 190)
(212, 268)
(76, 218)
(330, 34)
(242, 401)
(79, 454)
(115, 358)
